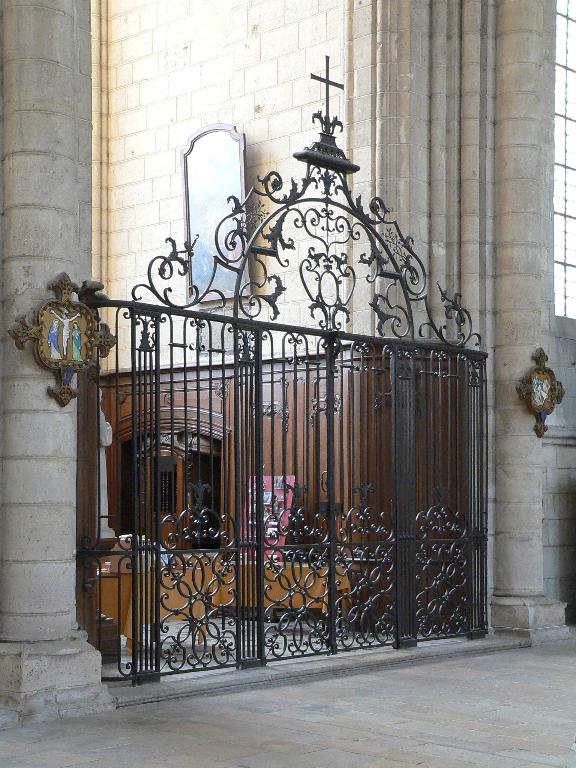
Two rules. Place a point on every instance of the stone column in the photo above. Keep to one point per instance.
(47, 669)
(523, 245)
(387, 119)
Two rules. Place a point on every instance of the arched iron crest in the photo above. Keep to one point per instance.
(312, 238)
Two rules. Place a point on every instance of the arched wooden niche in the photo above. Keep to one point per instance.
(190, 475)
(214, 169)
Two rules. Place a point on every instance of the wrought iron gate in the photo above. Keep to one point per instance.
(271, 490)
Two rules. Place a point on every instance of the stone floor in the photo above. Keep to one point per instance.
(510, 709)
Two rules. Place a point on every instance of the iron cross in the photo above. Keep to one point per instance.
(328, 83)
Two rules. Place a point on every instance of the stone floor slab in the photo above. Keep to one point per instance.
(510, 709)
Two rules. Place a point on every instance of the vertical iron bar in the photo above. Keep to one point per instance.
(330, 463)
(410, 508)
(404, 492)
(238, 513)
(344, 544)
(118, 450)
(398, 537)
(260, 528)
(155, 524)
(250, 471)
(135, 503)
(464, 465)
(484, 495)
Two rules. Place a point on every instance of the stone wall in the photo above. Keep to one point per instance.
(559, 503)
(559, 443)
(100, 96)
(178, 66)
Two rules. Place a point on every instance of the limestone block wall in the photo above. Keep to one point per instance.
(175, 67)
(99, 54)
(559, 520)
(559, 502)
(559, 443)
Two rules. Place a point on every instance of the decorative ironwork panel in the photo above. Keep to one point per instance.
(270, 493)
(450, 519)
(311, 240)
(364, 515)
(297, 547)
(254, 491)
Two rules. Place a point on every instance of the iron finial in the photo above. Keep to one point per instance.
(328, 124)
(325, 153)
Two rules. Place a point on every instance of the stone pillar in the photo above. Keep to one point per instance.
(47, 669)
(387, 72)
(523, 246)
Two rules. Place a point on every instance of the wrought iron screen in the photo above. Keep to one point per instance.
(276, 488)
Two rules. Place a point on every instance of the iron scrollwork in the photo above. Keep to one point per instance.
(313, 239)
(271, 408)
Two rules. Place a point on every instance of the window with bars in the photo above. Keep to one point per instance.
(565, 161)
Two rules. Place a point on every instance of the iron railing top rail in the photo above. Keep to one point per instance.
(97, 302)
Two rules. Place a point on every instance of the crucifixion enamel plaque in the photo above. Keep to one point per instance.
(541, 391)
(66, 337)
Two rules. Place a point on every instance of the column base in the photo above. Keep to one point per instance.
(539, 618)
(49, 680)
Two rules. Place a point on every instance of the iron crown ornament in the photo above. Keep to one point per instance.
(313, 240)
(325, 153)
(541, 391)
(67, 337)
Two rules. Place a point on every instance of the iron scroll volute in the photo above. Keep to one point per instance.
(314, 238)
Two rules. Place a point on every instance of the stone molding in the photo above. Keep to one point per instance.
(537, 617)
(562, 436)
(52, 679)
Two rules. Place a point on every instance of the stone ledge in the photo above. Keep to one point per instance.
(302, 670)
(565, 437)
(540, 635)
